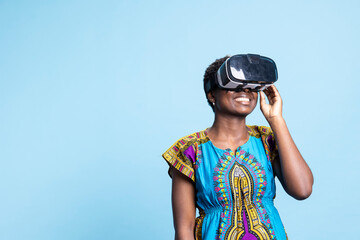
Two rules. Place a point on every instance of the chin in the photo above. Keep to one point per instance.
(244, 111)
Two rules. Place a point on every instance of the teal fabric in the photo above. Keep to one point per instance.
(234, 190)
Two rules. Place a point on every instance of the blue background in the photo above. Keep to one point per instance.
(92, 93)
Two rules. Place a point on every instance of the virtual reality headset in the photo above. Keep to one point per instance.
(245, 71)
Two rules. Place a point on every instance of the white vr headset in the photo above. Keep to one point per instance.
(245, 71)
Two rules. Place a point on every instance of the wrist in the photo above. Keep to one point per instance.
(276, 122)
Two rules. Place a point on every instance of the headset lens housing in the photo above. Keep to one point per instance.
(250, 71)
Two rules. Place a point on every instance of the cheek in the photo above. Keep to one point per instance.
(255, 97)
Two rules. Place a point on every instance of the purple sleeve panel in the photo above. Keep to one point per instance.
(190, 154)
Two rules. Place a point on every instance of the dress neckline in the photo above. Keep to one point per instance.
(228, 149)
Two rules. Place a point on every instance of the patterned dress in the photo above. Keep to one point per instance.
(234, 190)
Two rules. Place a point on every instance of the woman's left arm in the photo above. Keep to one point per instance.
(291, 169)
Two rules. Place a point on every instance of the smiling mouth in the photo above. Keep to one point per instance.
(242, 99)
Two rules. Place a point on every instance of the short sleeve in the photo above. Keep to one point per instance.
(268, 138)
(182, 157)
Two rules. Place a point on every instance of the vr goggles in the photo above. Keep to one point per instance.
(245, 71)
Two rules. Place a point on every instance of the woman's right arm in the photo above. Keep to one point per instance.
(183, 205)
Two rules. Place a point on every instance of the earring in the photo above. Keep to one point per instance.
(213, 103)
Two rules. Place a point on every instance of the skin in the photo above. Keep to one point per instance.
(229, 131)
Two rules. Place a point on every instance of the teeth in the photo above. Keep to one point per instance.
(242, 99)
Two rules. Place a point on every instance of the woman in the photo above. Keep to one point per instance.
(227, 171)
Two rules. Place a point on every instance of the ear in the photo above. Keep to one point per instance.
(211, 96)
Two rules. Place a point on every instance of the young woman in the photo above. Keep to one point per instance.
(227, 171)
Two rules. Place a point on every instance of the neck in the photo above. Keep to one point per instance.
(228, 128)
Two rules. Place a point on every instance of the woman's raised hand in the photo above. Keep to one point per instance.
(273, 109)
(291, 168)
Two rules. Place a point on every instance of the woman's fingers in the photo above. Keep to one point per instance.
(269, 95)
(263, 105)
(274, 107)
(276, 91)
(272, 94)
(262, 98)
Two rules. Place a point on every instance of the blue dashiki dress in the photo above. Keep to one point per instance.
(234, 190)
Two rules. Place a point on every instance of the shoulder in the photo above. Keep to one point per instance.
(268, 138)
(182, 154)
(189, 141)
(194, 138)
(260, 131)
(266, 135)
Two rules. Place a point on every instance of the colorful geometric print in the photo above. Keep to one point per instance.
(235, 188)
(239, 185)
(198, 224)
(181, 155)
(268, 139)
(245, 223)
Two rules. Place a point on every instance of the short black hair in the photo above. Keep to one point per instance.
(210, 74)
